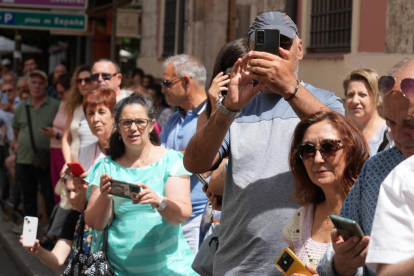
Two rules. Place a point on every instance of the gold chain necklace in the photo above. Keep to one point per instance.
(145, 159)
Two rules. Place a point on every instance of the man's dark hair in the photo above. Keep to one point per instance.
(64, 80)
(158, 91)
(137, 72)
(29, 58)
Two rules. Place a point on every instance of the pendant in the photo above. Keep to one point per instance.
(328, 219)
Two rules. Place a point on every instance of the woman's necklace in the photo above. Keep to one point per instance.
(145, 159)
(328, 219)
(372, 127)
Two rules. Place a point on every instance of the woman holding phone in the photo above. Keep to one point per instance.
(326, 157)
(144, 234)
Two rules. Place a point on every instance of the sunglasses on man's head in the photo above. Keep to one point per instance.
(105, 76)
(386, 85)
(86, 80)
(328, 148)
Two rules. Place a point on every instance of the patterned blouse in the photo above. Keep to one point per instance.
(298, 235)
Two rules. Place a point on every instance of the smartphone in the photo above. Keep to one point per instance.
(347, 228)
(288, 263)
(201, 179)
(205, 183)
(76, 168)
(30, 230)
(267, 40)
(124, 189)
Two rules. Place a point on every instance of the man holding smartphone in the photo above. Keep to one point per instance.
(253, 127)
(348, 257)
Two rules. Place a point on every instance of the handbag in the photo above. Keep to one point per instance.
(203, 262)
(41, 156)
(96, 264)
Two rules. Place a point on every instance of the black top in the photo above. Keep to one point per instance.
(69, 226)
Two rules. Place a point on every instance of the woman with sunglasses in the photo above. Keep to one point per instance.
(326, 157)
(144, 234)
(361, 106)
(77, 133)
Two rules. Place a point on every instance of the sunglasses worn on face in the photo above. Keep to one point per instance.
(86, 80)
(386, 84)
(168, 83)
(327, 148)
(141, 123)
(105, 76)
(8, 90)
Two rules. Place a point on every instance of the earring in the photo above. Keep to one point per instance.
(119, 137)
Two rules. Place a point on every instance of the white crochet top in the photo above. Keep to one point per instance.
(298, 235)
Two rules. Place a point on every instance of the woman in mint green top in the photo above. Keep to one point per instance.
(145, 236)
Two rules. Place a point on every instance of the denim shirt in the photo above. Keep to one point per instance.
(362, 200)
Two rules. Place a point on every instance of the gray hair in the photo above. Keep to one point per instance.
(401, 64)
(118, 70)
(188, 65)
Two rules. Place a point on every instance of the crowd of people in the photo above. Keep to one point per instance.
(280, 156)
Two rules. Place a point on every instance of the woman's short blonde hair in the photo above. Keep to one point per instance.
(370, 76)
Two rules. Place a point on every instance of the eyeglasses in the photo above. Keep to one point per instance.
(86, 80)
(328, 148)
(105, 76)
(386, 83)
(168, 83)
(141, 123)
(8, 90)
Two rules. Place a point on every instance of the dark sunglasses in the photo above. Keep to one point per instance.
(8, 90)
(328, 148)
(168, 83)
(86, 80)
(386, 84)
(141, 123)
(105, 76)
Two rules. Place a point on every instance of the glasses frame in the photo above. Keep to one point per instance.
(8, 90)
(80, 80)
(168, 83)
(385, 93)
(135, 122)
(108, 77)
(339, 144)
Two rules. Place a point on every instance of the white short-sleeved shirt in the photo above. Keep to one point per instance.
(89, 155)
(392, 236)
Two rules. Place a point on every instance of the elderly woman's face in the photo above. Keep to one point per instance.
(100, 121)
(134, 133)
(326, 168)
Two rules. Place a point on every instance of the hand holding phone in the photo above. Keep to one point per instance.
(29, 230)
(347, 228)
(76, 168)
(288, 263)
(267, 40)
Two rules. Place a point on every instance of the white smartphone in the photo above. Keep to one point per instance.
(30, 230)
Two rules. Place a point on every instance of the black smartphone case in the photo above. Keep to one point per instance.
(271, 41)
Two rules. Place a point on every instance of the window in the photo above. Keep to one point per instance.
(331, 22)
(170, 22)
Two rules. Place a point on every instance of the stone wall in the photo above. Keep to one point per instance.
(399, 30)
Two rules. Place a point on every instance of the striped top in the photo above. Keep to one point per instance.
(140, 241)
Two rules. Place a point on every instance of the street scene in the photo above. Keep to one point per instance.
(206, 137)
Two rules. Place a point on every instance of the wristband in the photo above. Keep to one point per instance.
(294, 92)
(57, 135)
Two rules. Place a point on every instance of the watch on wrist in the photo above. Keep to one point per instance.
(162, 204)
(220, 107)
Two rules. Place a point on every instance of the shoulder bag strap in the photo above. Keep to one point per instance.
(81, 229)
(105, 240)
(29, 123)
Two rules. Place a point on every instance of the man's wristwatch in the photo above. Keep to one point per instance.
(220, 107)
(162, 204)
